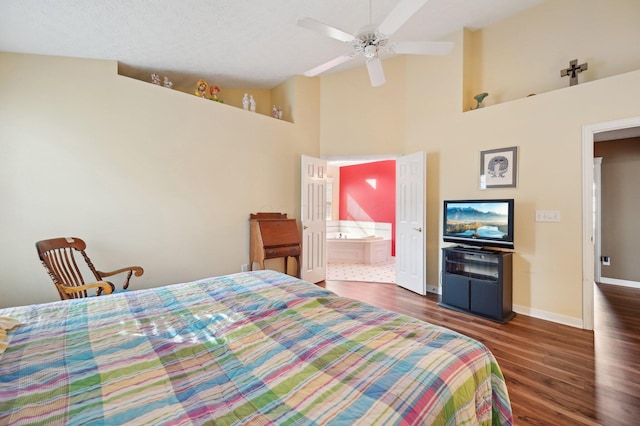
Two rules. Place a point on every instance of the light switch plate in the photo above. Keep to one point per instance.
(547, 216)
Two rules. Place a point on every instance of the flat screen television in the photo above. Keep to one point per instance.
(485, 223)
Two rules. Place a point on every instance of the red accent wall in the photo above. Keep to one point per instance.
(360, 201)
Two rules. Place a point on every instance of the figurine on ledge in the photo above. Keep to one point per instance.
(215, 91)
(479, 98)
(201, 89)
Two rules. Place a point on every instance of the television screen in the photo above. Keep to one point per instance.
(479, 222)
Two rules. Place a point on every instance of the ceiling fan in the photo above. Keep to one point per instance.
(369, 41)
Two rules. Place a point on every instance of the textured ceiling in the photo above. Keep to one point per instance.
(231, 43)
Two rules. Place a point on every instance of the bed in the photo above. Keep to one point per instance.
(250, 348)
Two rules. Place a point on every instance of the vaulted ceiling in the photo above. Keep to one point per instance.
(230, 43)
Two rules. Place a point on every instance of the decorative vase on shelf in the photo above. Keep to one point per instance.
(479, 98)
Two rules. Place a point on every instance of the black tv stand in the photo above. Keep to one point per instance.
(478, 249)
(478, 281)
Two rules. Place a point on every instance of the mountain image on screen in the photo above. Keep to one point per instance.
(473, 223)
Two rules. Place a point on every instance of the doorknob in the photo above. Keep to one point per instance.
(419, 229)
(305, 227)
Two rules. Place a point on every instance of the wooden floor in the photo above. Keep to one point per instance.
(555, 374)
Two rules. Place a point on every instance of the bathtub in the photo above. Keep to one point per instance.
(367, 250)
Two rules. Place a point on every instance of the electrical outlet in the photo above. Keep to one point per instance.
(244, 267)
(606, 260)
(547, 216)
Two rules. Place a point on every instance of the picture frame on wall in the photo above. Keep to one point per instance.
(499, 168)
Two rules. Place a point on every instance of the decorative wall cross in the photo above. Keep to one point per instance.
(573, 71)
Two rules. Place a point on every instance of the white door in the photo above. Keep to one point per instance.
(411, 222)
(314, 221)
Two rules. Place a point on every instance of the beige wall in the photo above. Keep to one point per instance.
(357, 119)
(525, 54)
(146, 175)
(546, 128)
(620, 241)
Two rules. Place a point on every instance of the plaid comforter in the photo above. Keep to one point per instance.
(251, 348)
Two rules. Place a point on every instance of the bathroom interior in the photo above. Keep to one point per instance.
(361, 220)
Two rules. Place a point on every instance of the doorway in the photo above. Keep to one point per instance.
(407, 177)
(590, 134)
(342, 269)
(617, 243)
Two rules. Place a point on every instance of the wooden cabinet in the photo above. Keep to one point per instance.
(478, 282)
(273, 235)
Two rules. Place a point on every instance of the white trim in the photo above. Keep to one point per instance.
(616, 281)
(597, 210)
(432, 289)
(350, 160)
(548, 316)
(588, 252)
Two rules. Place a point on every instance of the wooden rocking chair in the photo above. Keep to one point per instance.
(58, 256)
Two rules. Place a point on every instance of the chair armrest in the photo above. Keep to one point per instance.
(137, 270)
(130, 269)
(105, 287)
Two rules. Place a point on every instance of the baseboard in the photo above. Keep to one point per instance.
(615, 281)
(433, 289)
(548, 316)
(535, 313)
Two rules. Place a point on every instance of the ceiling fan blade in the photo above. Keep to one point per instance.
(422, 47)
(328, 65)
(376, 73)
(325, 29)
(399, 15)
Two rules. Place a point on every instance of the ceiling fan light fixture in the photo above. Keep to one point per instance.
(370, 51)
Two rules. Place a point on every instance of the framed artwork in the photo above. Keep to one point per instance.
(499, 168)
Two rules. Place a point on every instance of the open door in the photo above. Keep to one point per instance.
(314, 220)
(410, 223)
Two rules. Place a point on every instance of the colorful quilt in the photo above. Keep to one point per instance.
(259, 348)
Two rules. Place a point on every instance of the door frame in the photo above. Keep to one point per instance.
(597, 210)
(588, 249)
